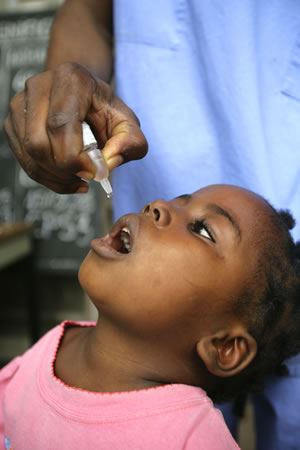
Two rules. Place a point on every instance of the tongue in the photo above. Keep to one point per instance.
(117, 244)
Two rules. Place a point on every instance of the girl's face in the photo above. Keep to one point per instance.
(174, 270)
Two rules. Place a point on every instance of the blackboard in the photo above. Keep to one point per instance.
(64, 224)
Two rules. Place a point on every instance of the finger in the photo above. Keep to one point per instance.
(61, 186)
(37, 172)
(16, 122)
(28, 110)
(36, 142)
(69, 102)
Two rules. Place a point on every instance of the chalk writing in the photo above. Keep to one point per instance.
(64, 224)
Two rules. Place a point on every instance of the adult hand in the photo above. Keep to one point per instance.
(44, 129)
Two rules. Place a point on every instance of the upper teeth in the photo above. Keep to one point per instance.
(125, 237)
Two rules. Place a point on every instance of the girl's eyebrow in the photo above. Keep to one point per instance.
(213, 207)
(186, 197)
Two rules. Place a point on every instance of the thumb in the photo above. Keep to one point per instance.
(126, 143)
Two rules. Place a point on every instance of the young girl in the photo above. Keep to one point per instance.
(197, 298)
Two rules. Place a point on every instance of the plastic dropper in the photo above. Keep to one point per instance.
(91, 147)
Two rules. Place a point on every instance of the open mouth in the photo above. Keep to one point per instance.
(122, 241)
(119, 241)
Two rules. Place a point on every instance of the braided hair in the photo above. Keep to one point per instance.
(270, 306)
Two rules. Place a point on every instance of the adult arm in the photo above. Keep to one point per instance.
(44, 123)
(82, 31)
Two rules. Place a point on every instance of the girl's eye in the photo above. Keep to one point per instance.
(201, 228)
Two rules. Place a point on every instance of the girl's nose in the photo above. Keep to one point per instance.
(160, 212)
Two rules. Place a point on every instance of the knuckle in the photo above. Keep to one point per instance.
(33, 146)
(28, 146)
(36, 83)
(15, 102)
(143, 151)
(103, 95)
(70, 68)
(29, 82)
(30, 150)
(6, 126)
(57, 120)
(138, 147)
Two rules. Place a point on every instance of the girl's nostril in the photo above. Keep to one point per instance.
(156, 214)
(146, 209)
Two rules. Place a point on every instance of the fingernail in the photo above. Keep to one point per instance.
(114, 162)
(85, 175)
(82, 190)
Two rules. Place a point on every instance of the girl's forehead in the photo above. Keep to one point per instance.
(233, 196)
(222, 189)
(247, 208)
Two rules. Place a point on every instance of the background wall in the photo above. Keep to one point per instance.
(63, 225)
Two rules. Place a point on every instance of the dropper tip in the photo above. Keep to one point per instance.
(107, 187)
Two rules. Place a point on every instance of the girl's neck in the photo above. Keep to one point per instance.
(96, 359)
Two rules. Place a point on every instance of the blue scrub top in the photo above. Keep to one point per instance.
(216, 86)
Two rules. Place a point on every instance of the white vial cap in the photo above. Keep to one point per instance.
(87, 135)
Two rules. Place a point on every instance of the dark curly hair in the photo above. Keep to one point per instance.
(270, 306)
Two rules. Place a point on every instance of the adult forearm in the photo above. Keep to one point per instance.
(82, 32)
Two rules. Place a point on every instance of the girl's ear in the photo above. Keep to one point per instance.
(227, 352)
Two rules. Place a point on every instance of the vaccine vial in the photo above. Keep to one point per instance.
(91, 147)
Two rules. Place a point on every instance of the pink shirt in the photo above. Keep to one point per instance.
(38, 411)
